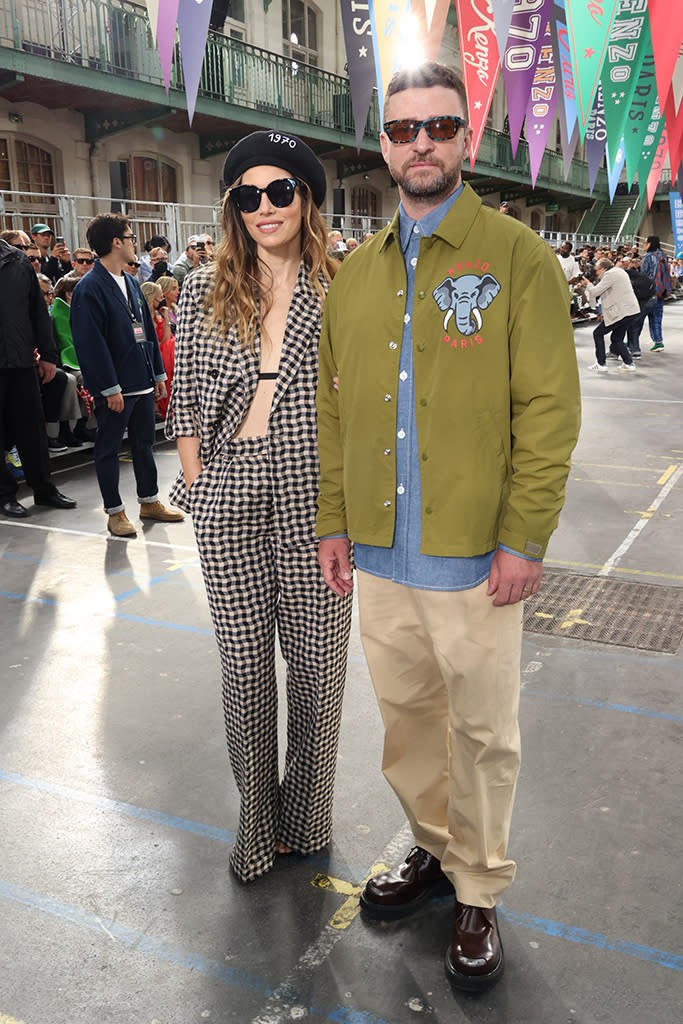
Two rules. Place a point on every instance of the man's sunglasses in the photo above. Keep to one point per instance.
(88, 263)
(18, 245)
(131, 263)
(34, 259)
(439, 129)
(247, 198)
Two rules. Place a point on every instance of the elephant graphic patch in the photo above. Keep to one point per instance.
(466, 296)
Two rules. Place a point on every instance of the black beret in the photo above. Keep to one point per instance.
(275, 149)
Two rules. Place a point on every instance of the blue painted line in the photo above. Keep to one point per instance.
(607, 705)
(25, 597)
(142, 942)
(597, 939)
(106, 804)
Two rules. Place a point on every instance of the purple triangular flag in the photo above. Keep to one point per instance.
(166, 26)
(519, 62)
(193, 29)
(540, 113)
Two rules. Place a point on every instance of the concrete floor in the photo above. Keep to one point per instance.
(116, 801)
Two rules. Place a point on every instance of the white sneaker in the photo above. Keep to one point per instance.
(627, 368)
(597, 366)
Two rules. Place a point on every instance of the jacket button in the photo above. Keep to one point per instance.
(428, 510)
(213, 373)
(387, 504)
(387, 398)
(420, 295)
(393, 345)
(423, 401)
(387, 451)
(420, 347)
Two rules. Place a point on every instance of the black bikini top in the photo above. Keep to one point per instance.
(268, 376)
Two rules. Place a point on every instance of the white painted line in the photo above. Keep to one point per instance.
(99, 536)
(641, 524)
(278, 1008)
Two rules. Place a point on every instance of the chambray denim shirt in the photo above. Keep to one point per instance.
(403, 562)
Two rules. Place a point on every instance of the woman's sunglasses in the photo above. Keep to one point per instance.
(439, 129)
(247, 198)
(88, 263)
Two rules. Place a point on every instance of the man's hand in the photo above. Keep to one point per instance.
(333, 556)
(116, 402)
(159, 390)
(513, 578)
(46, 371)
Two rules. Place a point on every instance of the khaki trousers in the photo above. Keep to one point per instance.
(446, 670)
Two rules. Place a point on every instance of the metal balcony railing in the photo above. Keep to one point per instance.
(114, 36)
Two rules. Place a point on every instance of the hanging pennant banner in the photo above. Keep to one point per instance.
(623, 61)
(520, 59)
(166, 28)
(390, 30)
(193, 30)
(657, 168)
(614, 167)
(643, 110)
(569, 144)
(360, 62)
(674, 125)
(480, 63)
(651, 144)
(153, 15)
(431, 21)
(590, 25)
(540, 113)
(666, 26)
(564, 68)
(596, 137)
(502, 17)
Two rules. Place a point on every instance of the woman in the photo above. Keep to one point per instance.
(243, 413)
(81, 407)
(159, 310)
(170, 290)
(656, 266)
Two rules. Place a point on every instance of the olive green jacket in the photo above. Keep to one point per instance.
(496, 386)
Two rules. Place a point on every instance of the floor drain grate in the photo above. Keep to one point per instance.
(607, 611)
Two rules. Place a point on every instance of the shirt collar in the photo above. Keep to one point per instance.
(428, 224)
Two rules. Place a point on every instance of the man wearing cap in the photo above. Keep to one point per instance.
(445, 424)
(56, 264)
(191, 258)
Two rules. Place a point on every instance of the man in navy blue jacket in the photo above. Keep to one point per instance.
(119, 355)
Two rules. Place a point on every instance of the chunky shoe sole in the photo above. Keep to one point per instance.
(473, 982)
(392, 911)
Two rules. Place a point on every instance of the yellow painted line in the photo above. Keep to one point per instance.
(350, 908)
(616, 569)
(608, 465)
(669, 472)
(611, 483)
(574, 620)
(543, 615)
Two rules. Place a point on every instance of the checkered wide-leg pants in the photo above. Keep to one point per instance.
(254, 585)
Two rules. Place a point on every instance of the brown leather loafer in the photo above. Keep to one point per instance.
(401, 891)
(474, 959)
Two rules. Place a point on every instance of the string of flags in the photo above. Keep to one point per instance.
(609, 71)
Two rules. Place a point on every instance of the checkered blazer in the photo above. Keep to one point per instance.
(214, 382)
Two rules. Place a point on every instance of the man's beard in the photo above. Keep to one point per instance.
(435, 188)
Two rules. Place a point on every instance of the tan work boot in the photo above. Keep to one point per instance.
(120, 525)
(155, 510)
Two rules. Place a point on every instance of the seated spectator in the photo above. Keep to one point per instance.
(34, 256)
(56, 263)
(161, 315)
(208, 247)
(83, 260)
(60, 311)
(191, 258)
(146, 266)
(19, 239)
(158, 258)
(169, 287)
(133, 267)
(351, 244)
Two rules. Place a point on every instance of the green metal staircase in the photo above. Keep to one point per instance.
(606, 219)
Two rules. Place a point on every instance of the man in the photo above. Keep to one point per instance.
(26, 329)
(569, 263)
(620, 311)
(55, 264)
(645, 291)
(119, 356)
(191, 258)
(656, 266)
(504, 208)
(83, 261)
(446, 421)
(146, 266)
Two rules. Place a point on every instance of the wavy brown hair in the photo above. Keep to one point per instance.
(238, 298)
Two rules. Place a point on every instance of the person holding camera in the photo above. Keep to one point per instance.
(191, 258)
(53, 264)
(620, 309)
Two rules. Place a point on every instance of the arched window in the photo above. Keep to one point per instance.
(364, 208)
(300, 31)
(27, 182)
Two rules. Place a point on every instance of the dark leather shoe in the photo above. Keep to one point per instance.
(14, 508)
(401, 891)
(56, 500)
(474, 959)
